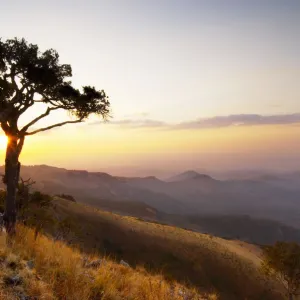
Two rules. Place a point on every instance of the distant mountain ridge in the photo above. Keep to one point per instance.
(274, 198)
(188, 175)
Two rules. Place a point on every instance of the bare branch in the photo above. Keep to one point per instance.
(53, 126)
(28, 182)
(46, 113)
(22, 110)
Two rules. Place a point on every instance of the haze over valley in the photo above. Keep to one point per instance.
(256, 207)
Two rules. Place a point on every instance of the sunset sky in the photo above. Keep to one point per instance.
(193, 84)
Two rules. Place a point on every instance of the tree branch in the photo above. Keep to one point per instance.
(50, 100)
(28, 182)
(24, 87)
(20, 144)
(53, 126)
(12, 78)
(27, 103)
(22, 110)
(3, 116)
(5, 127)
(46, 113)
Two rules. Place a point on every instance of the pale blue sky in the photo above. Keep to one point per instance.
(172, 61)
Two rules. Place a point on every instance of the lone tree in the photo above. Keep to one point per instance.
(282, 260)
(28, 77)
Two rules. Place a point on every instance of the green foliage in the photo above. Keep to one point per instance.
(40, 199)
(39, 213)
(35, 212)
(39, 217)
(66, 197)
(283, 261)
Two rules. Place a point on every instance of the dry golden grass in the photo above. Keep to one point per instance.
(59, 273)
(199, 261)
(12, 265)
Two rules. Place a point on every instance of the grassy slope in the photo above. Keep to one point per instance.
(201, 261)
(59, 273)
(11, 265)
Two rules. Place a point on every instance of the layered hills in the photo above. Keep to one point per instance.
(260, 209)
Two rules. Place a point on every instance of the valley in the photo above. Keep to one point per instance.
(261, 210)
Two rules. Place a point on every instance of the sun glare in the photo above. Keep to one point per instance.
(3, 142)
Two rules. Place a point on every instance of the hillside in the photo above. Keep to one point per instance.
(43, 269)
(207, 263)
(259, 210)
(277, 200)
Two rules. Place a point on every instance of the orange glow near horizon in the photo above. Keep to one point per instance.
(100, 146)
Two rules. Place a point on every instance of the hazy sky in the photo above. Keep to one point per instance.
(183, 77)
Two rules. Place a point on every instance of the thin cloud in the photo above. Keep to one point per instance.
(213, 122)
(239, 120)
(140, 123)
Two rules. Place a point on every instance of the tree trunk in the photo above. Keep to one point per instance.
(11, 179)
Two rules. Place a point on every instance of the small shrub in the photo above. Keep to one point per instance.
(40, 199)
(282, 260)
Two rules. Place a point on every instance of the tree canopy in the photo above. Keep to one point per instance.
(28, 76)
